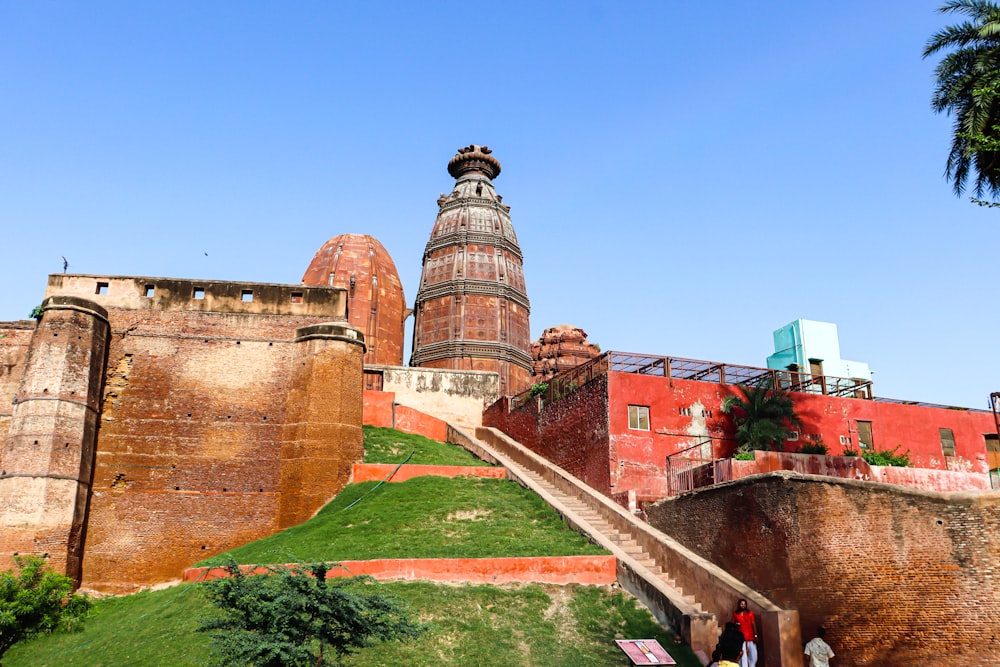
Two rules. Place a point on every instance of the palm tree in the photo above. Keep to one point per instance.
(763, 414)
(968, 86)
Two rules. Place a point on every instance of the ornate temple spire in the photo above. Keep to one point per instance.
(471, 310)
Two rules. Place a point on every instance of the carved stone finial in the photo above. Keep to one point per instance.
(474, 158)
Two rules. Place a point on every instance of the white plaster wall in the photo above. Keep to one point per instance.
(456, 396)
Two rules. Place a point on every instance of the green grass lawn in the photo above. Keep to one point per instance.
(425, 517)
(485, 626)
(387, 445)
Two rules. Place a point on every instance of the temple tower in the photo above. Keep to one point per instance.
(471, 311)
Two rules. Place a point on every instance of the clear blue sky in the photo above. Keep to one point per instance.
(684, 177)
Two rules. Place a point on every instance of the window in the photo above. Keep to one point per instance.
(638, 417)
(793, 436)
(947, 441)
(247, 295)
(150, 291)
(102, 288)
(865, 435)
(199, 292)
(296, 297)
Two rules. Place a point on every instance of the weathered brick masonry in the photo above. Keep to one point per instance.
(15, 338)
(571, 431)
(214, 396)
(900, 577)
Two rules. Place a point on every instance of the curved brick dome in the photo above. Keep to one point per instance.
(375, 301)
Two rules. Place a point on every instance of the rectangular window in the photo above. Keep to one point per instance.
(992, 450)
(638, 417)
(102, 288)
(865, 435)
(248, 295)
(297, 297)
(199, 292)
(150, 291)
(947, 441)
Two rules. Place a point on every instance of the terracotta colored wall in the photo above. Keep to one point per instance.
(684, 413)
(899, 577)
(572, 431)
(221, 420)
(855, 467)
(588, 570)
(376, 472)
(414, 421)
(382, 410)
(378, 408)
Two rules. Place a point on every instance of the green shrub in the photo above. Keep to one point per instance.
(539, 388)
(813, 448)
(888, 457)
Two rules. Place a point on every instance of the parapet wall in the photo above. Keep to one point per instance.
(176, 294)
(228, 411)
(453, 396)
(899, 577)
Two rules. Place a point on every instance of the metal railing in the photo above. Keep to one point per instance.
(678, 368)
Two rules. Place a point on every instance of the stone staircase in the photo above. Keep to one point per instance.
(683, 590)
(603, 532)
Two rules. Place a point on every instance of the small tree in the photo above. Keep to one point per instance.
(763, 415)
(35, 599)
(294, 616)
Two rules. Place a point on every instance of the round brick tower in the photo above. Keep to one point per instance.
(375, 302)
(471, 311)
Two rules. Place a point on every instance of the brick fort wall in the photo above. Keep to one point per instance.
(898, 576)
(228, 411)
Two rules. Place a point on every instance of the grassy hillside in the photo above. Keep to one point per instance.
(425, 517)
(387, 445)
(484, 626)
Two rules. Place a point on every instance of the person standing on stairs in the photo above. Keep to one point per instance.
(748, 626)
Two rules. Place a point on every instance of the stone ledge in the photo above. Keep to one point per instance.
(376, 472)
(588, 570)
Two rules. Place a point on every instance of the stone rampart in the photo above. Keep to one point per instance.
(227, 411)
(898, 576)
(15, 339)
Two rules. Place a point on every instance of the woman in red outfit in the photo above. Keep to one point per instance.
(748, 626)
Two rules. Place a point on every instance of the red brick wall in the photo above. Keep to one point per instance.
(899, 577)
(213, 438)
(48, 453)
(572, 432)
(14, 340)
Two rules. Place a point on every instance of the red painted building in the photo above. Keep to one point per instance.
(615, 421)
